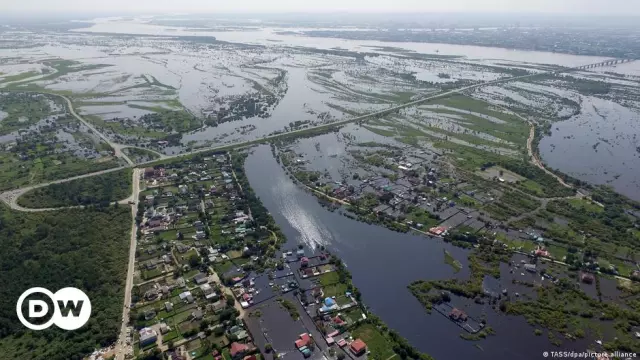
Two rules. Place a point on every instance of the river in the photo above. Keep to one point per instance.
(270, 36)
(383, 263)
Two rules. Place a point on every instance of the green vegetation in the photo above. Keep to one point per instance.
(569, 311)
(377, 343)
(23, 110)
(539, 183)
(169, 120)
(102, 189)
(83, 248)
(18, 77)
(290, 307)
(451, 261)
(138, 155)
(331, 284)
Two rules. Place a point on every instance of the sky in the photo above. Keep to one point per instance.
(595, 7)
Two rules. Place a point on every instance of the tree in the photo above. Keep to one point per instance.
(341, 356)
(194, 261)
(230, 300)
(268, 348)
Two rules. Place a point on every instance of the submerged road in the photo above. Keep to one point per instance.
(10, 197)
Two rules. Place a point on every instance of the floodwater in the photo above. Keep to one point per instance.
(600, 145)
(383, 263)
(271, 37)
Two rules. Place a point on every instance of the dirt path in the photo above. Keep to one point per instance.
(121, 348)
(227, 291)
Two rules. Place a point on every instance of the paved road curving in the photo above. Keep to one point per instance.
(117, 148)
(11, 197)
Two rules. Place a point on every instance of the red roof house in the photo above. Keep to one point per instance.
(304, 262)
(238, 349)
(303, 340)
(458, 315)
(358, 347)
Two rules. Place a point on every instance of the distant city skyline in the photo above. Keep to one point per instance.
(593, 7)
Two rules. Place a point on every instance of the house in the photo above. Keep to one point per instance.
(186, 297)
(338, 321)
(217, 306)
(358, 347)
(168, 306)
(303, 340)
(304, 262)
(201, 279)
(238, 350)
(317, 292)
(542, 252)
(208, 291)
(149, 315)
(149, 172)
(307, 272)
(180, 282)
(328, 305)
(457, 315)
(587, 278)
(151, 295)
(197, 315)
(239, 332)
(147, 336)
(164, 328)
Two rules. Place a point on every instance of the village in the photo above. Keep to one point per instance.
(416, 189)
(210, 283)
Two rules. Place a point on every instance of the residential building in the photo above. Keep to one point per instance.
(147, 336)
(358, 347)
(200, 279)
(238, 350)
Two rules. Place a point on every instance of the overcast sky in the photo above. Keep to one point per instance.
(600, 7)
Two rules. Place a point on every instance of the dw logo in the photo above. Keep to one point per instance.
(71, 308)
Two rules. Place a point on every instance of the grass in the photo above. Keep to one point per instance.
(377, 343)
(331, 285)
(421, 216)
(451, 261)
(19, 77)
(585, 205)
(533, 187)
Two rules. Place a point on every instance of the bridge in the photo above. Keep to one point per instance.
(605, 63)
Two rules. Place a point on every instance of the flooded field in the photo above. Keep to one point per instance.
(175, 89)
